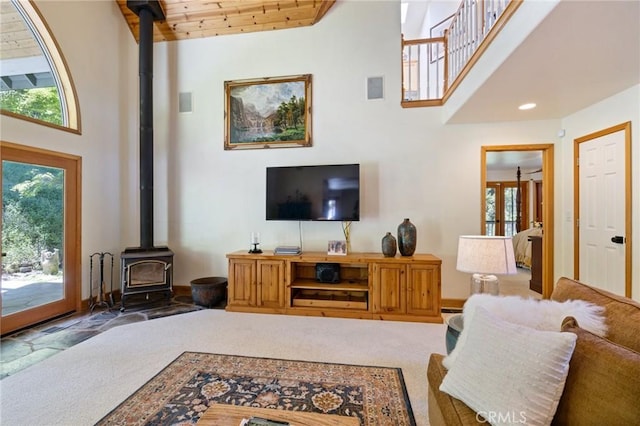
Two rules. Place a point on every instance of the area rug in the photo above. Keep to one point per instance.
(183, 390)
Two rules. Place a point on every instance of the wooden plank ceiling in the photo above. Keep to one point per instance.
(187, 19)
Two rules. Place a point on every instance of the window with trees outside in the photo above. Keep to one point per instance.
(35, 83)
(500, 214)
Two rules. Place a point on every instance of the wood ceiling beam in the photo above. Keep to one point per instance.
(7, 81)
(31, 79)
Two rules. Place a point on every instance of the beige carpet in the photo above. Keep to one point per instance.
(518, 285)
(82, 384)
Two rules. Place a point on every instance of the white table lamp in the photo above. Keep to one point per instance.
(484, 256)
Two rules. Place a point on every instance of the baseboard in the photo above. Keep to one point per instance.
(448, 305)
(181, 290)
(453, 303)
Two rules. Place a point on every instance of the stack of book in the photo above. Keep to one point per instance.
(287, 250)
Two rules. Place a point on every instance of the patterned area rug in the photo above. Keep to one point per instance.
(183, 390)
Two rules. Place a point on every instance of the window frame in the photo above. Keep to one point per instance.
(66, 89)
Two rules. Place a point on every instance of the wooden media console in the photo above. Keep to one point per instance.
(370, 286)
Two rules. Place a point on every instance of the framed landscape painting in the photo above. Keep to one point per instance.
(268, 112)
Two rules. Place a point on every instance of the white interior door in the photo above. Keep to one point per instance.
(602, 210)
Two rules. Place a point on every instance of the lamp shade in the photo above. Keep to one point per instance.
(486, 255)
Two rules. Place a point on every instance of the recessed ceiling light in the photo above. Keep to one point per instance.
(527, 106)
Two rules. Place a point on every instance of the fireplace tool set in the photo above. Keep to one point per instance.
(101, 297)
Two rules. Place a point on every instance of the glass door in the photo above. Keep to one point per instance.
(501, 212)
(39, 256)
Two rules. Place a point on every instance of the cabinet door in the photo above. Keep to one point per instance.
(242, 282)
(270, 289)
(389, 294)
(423, 289)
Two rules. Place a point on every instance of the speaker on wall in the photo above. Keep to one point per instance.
(375, 88)
(184, 102)
(328, 272)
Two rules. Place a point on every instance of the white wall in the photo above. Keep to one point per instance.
(100, 53)
(412, 166)
(617, 109)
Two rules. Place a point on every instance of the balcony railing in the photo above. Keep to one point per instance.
(433, 67)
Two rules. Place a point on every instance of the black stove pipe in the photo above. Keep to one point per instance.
(147, 12)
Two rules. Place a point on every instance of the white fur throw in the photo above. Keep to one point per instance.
(533, 313)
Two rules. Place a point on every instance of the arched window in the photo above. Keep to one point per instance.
(35, 83)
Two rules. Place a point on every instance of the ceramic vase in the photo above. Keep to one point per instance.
(407, 238)
(389, 245)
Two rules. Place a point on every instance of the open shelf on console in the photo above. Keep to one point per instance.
(350, 292)
(338, 299)
(342, 285)
(354, 273)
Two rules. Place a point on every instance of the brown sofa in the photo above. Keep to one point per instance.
(603, 384)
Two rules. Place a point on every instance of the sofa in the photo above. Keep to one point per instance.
(603, 382)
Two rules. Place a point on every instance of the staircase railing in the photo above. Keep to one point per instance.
(433, 67)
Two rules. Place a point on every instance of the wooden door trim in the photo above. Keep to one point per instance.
(72, 222)
(626, 127)
(547, 207)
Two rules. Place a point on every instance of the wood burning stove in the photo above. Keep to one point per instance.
(145, 271)
(146, 268)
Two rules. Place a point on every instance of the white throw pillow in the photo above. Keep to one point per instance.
(539, 314)
(508, 373)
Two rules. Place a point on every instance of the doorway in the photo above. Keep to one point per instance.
(602, 202)
(546, 193)
(40, 235)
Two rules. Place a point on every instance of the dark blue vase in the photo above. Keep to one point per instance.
(406, 238)
(389, 245)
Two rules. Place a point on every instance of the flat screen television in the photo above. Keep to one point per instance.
(322, 193)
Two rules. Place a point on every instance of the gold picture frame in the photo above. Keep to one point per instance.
(272, 112)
